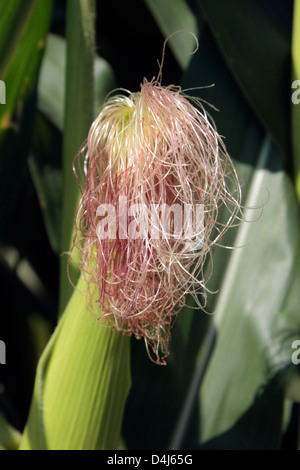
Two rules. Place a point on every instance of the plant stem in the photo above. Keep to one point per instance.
(79, 104)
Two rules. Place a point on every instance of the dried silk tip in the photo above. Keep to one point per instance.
(157, 174)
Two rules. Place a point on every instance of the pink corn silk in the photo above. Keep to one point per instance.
(154, 147)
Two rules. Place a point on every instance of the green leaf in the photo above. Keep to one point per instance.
(246, 320)
(45, 168)
(51, 87)
(23, 26)
(172, 16)
(255, 59)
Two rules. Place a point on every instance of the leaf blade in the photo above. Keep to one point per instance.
(254, 59)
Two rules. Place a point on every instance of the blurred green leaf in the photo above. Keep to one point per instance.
(251, 346)
(172, 16)
(23, 26)
(23, 29)
(45, 168)
(256, 47)
(51, 88)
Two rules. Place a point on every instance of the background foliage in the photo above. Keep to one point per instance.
(229, 382)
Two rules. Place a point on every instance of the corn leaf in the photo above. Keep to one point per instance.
(23, 29)
(255, 43)
(51, 87)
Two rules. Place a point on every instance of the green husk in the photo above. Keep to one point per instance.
(82, 383)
